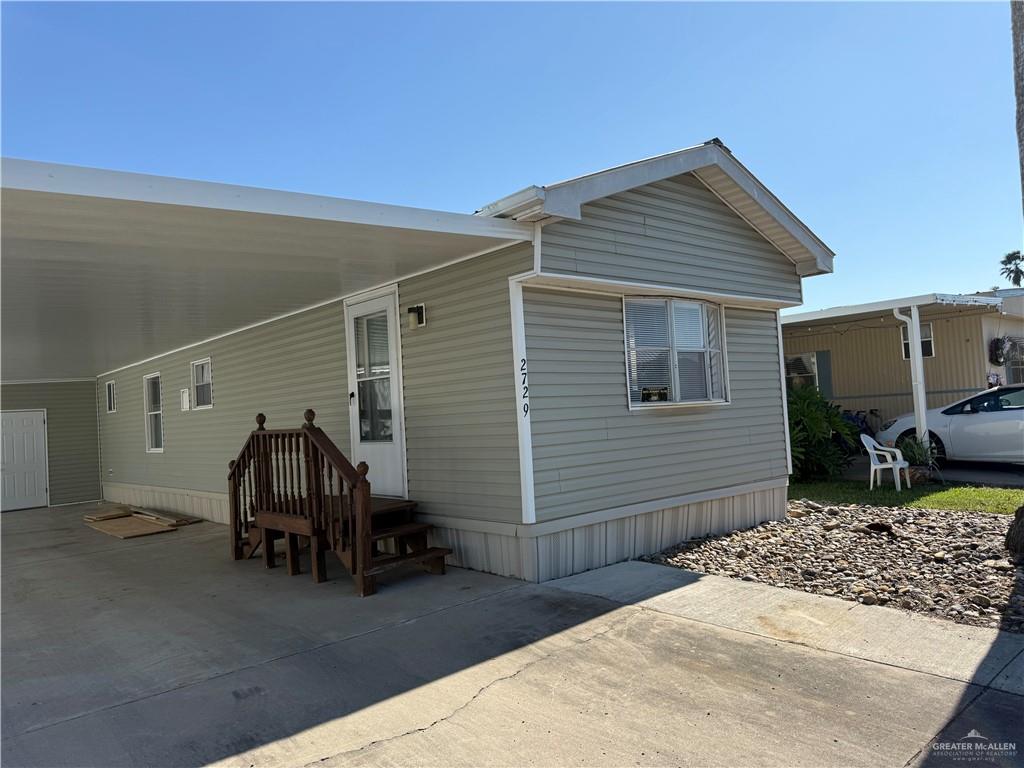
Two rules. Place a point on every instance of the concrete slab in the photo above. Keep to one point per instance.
(167, 653)
(655, 690)
(873, 633)
(983, 473)
(997, 718)
(99, 622)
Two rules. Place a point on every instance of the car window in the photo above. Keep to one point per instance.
(983, 403)
(1012, 398)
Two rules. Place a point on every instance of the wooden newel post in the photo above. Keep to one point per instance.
(235, 527)
(261, 464)
(366, 584)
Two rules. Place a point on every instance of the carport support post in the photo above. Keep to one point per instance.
(913, 324)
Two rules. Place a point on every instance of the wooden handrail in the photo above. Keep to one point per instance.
(300, 473)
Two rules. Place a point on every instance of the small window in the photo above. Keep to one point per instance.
(153, 397)
(1012, 399)
(927, 345)
(111, 397)
(801, 371)
(1015, 362)
(674, 352)
(202, 384)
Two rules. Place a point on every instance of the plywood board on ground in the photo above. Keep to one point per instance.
(129, 527)
(167, 518)
(108, 514)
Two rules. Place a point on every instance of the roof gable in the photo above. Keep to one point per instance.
(714, 165)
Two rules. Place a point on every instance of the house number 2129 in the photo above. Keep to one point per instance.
(525, 387)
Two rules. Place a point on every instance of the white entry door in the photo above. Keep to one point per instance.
(375, 391)
(23, 471)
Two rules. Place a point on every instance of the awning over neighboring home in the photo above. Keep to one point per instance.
(104, 268)
(907, 312)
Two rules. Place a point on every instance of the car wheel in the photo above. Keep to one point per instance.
(940, 449)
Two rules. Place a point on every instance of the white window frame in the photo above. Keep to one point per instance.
(192, 368)
(110, 389)
(1015, 362)
(705, 305)
(146, 413)
(905, 340)
(814, 367)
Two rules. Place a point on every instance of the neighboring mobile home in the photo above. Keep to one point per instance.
(861, 356)
(576, 375)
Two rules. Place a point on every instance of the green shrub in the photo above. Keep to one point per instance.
(917, 453)
(820, 439)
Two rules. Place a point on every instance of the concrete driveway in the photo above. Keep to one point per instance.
(984, 473)
(161, 651)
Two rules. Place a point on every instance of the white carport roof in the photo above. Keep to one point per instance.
(873, 309)
(103, 268)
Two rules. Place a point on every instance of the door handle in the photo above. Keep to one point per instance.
(351, 396)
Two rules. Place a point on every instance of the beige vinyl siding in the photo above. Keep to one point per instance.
(280, 369)
(674, 232)
(460, 423)
(70, 434)
(590, 452)
(868, 369)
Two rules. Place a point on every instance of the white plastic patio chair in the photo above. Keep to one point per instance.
(883, 458)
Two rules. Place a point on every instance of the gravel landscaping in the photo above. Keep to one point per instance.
(947, 564)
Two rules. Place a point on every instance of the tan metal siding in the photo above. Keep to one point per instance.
(460, 424)
(868, 369)
(70, 434)
(674, 232)
(591, 453)
(280, 368)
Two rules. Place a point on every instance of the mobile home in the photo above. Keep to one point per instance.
(574, 375)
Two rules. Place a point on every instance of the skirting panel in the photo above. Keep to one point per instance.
(204, 504)
(554, 555)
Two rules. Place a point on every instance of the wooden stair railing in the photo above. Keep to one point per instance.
(291, 483)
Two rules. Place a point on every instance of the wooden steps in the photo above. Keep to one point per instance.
(295, 485)
(431, 556)
(400, 531)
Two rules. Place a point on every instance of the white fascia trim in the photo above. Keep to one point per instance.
(785, 394)
(602, 516)
(362, 292)
(521, 379)
(891, 304)
(56, 178)
(557, 281)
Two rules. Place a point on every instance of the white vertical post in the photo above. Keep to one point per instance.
(785, 393)
(522, 400)
(913, 324)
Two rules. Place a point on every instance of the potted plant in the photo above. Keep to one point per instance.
(921, 457)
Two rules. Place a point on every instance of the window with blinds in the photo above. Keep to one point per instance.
(202, 385)
(674, 352)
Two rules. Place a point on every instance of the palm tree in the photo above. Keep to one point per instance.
(1013, 267)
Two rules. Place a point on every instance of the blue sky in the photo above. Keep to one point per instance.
(887, 128)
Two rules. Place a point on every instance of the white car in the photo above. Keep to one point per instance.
(988, 426)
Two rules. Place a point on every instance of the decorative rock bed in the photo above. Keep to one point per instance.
(947, 564)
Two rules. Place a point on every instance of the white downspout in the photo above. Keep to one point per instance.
(913, 324)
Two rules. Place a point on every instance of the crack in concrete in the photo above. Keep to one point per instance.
(483, 689)
(255, 665)
(984, 688)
